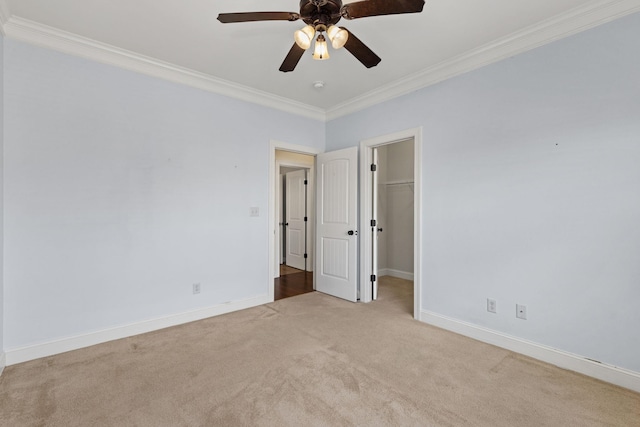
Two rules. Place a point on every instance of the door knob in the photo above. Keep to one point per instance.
(380, 230)
(351, 233)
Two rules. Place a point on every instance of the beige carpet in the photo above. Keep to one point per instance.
(311, 360)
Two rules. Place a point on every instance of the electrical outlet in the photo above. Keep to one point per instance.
(196, 288)
(491, 305)
(254, 211)
(521, 311)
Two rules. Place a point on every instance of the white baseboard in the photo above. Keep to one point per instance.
(24, 354)
(611, 374)
(3, 362)
(395, 273)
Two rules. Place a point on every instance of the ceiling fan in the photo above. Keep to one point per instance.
(321, 16)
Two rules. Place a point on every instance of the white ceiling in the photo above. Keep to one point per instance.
(183, 41)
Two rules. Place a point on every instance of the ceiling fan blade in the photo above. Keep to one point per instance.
(292, 58)
(362, 9)
(227, 18)
(361, 51)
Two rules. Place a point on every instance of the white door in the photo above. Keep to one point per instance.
(295, 215)
(337, 220)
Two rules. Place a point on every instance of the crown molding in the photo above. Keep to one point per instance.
(582, 18)
(62, 41)
(5, 13)
(560, 26)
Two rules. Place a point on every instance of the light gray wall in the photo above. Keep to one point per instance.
(1, 199)
(383, 238)
(121, 191)
(531, 191)
(395, 207)
(399, 206)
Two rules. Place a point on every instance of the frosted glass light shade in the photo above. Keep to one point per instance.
(304, 37)
(321, 51)
(338, 36)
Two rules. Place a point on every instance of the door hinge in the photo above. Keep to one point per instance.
(373, 277)
(305, 256)
(374, 168)
(306, 219)
(373, 223)
(306, 182)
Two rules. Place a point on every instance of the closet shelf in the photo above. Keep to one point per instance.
(406, 182)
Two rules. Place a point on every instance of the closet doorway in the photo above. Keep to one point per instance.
(395, 210)
(391, 209)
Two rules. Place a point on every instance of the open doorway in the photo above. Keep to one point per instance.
(393, 195)
(391, 212)
(294, 237)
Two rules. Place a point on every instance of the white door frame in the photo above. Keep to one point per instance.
(274, 174)
(366, 158)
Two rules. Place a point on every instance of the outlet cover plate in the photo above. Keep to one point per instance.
(491, 305)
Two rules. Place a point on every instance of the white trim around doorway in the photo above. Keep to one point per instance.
(273, 219)
(366, 149)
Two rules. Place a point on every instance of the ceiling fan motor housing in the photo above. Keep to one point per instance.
(320, 12)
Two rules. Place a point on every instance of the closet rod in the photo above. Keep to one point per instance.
(399, 183)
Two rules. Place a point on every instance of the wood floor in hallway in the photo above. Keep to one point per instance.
(292, 282)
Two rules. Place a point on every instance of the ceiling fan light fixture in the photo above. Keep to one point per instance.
(338, 36)
(321, 52)
(304, 37)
